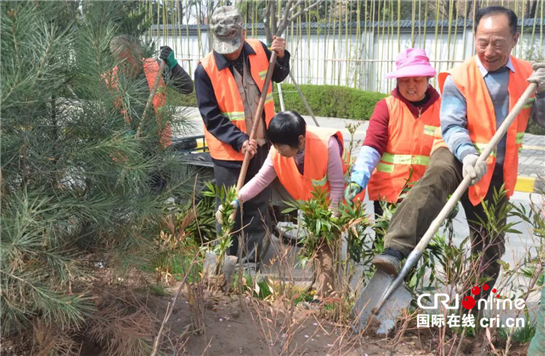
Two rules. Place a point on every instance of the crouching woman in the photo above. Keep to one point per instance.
(304, 159)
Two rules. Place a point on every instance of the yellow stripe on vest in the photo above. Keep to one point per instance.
(235, 115)
(520, 137)
(263, 74)
(529, 103)
(319, 182)
(385, 168)
(430, 130)
(481, 146)
(405, 159)
(269, 98)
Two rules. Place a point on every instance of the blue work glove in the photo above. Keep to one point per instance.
(366, 162)
(167, 55)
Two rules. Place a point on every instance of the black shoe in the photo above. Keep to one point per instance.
(389, 261)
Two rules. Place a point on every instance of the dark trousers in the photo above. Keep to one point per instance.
(378, 209)
(379, 231)
(256, 217)
(426, 199)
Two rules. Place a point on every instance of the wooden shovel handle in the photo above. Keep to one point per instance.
(150, 99)
(257, 120)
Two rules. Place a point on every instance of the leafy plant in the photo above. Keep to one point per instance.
(523, 335)
(316, 220)
(353, 223)
(223, 242)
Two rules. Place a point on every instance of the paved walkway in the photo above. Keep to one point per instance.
(531, 158)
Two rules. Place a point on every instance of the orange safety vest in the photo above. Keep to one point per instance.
(481, 119)
(408, 151)
(300, 186)
(229, 101)
(151, 68)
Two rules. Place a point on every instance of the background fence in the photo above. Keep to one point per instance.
(350, 43)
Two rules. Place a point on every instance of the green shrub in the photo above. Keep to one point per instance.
(330, 101)
(325, 100)
(177, 99)
(534, 128)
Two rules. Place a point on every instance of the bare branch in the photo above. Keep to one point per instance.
(304, 10)
(268, 21)
(285, 19)
(274, 20)
(170, 308)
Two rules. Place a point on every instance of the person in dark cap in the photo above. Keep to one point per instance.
(228, 83)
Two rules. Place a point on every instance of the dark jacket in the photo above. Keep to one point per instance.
(218, 125)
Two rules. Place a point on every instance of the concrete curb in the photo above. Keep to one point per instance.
(529, 185)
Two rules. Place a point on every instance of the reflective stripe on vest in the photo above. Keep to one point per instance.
(481, 146)
(229, 101)
(320, 182)
(481, 118)
(529, 103)
(405, 159)
(430, 130)
(235, 115)
(400, 159)
(407, 152)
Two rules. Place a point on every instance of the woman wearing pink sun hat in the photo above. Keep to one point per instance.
(401, 132)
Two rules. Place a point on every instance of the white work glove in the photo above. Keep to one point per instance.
(219, 212)
(474, 170)
(538, 76)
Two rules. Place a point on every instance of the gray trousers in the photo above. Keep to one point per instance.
(256, 217)
(426, 199)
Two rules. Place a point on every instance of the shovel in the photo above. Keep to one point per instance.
(385, 296)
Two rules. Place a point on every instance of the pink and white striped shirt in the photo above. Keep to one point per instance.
(267, 174)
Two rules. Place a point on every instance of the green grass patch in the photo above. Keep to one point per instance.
(324, 100)
(263, 290)
(522, 335)
(330, 101)
(177, 265)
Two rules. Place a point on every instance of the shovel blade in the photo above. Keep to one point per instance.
(369, 297)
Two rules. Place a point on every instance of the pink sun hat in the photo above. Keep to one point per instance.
(412, 62)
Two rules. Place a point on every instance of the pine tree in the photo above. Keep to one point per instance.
(74, 178)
